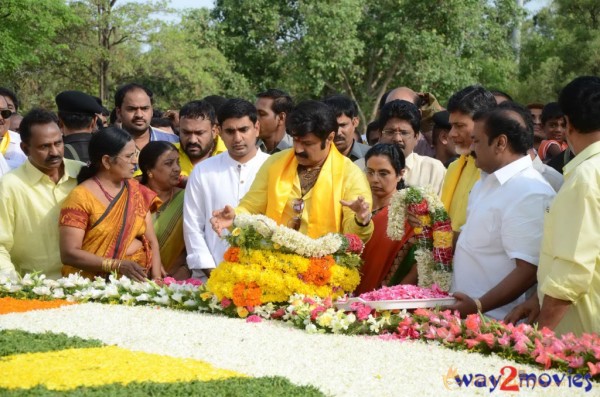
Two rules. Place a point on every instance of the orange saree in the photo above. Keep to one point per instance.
(380, 253)
(109, 231)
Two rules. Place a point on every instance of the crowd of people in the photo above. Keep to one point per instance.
(148, 194)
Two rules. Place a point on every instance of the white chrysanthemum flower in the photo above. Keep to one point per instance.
(42, 291)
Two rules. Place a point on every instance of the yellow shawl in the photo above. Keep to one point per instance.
(325, 212)
(460, 178)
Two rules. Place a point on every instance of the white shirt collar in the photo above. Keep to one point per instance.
(512, 169)
(409, 162)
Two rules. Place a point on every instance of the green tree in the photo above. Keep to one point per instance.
(560, 42)
(183, 64)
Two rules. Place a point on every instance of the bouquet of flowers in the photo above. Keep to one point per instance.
(267, 262)
(434, 237)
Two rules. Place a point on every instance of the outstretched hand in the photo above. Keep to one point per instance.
(361, 209)
(222, 219)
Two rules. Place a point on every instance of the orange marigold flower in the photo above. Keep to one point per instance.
(232, 254)
(12, 305)
(247, 294)
(319, 271)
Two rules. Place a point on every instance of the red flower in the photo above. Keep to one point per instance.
(355, 244)
(418, 209)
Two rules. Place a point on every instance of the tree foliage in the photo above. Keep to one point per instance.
(311, 48)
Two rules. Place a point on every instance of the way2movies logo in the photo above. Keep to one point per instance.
(511, 379)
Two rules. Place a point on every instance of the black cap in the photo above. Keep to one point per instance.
(77, 102)
(442, 120)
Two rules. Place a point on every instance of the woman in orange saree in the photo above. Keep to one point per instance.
(105, 222)
(386, 262)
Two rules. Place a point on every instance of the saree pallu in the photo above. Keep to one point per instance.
(384, 259)
(109, 231)
(168, 225)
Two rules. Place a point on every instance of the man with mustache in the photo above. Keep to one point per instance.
(10, 141)
(133, 104)
(31, 196)
(346, 111)
(311, 187)
(463, 173)
(401, 121)
(273, 106)
(219, 181)
(198, 135)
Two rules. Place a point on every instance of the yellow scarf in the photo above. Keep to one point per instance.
(325, 211)
(451, 180)
(186, 164)
(4, 143)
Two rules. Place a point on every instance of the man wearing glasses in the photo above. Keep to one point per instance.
(310, 187)
(10, 142)
(401, 121)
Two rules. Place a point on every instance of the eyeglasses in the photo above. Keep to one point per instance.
(130, 158)
(296, 221)
(6, 113)
(393, 133)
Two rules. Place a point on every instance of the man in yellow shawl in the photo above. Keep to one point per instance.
(198, 135)
(310, 187)
(463, 173)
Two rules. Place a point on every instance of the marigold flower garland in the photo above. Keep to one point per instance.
(434, 239)
(268, 262)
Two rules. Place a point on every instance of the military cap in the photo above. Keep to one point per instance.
(77, 102)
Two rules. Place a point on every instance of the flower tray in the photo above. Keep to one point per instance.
(346, 304)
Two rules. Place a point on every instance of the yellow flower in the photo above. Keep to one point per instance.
(71, 368)
(242, 312)
(236, 232)
(276, 246)
(205, 296)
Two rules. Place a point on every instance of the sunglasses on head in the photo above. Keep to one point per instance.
(6, 113)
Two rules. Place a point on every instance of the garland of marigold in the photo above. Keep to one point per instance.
(434, 238)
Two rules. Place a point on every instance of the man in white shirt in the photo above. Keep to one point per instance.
(400, 121)
(219, 181)
(497, 252)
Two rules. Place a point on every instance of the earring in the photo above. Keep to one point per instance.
(150, 175)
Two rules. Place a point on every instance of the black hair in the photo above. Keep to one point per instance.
(123, 90)
(402, 110)
(471, 100)
(371, 127)
(394, 155)
(512, 120)
(216, 101)
(551, 111)
(112, 119)
(236, 108)
(312, 117)
(107, 141)
(501, 93)
(198, 110)
(382, 100)
(35, 116)
(150, 154)
(161, 122)
(580, 101)
(75, 121)
(342, 105)
(282, 101)
(6, 92)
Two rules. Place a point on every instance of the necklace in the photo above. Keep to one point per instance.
(108, 196)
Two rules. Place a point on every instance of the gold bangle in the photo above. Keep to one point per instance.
(104, 265)
(478, 304)
(119, 265)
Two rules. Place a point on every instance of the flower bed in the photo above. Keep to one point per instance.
(521, 343)
(338, 365)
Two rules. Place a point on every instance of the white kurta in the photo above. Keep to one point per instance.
(214, 183)
(505, 220)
